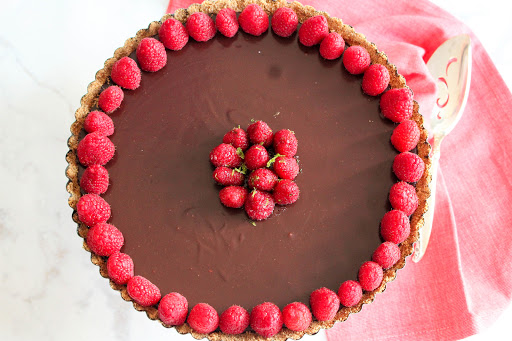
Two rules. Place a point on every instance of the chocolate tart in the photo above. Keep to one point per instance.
(296, 234)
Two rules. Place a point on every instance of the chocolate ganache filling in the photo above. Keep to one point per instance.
(165, 201)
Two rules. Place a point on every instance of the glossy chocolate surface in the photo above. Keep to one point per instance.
(166, 203)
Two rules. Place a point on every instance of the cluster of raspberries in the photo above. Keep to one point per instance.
(241, 152)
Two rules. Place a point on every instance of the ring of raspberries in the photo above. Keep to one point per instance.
(270, 160)
(256, 167)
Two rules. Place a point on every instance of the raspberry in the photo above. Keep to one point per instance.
(370, 276)
(285, 143)
(332, 46)
(356, 60)
(259, 205)
(226, 22)
(403, 197)
(120, 268)
(94, 179)
(397, 104)
(296, 316)
(95, 149)
(92, 209)
(286, 192)
(408, 167)
(203, 318)
(126, 73)
(237, 138)
(151, 54)
(286, 167)
(260, 133)
(234, 320)
(375, 80)
(313, 30)
(228, 177)
(263, 179)
(142, 291)
(324, 304)
(173, 309)
(200, 26)
(104, 239)
(110, 99)
(173, 34)
(284, 22)
(233, 196)
(386, 255)
(266, 319)
(395, 226)
(405, 136)
(99, 122)
(224, 155)
(253, 20)
(350, 293)
(256, 157)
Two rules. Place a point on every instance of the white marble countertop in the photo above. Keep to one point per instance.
(49, 289)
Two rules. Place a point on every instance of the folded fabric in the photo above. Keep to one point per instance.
(465, 279)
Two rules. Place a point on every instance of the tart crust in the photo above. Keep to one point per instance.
(90, 101)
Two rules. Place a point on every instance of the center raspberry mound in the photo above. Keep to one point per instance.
(271, 160)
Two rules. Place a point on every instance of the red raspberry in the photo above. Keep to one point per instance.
(142, 291)
(266, 319)
(403, 197)
(350, 293)
(110, 99)
(234, 320)
(256, 157)
(370, 276)
(395, 226)
(203, 318)
(94, 179)
(324, 304)
(173, 34)
(92, 209)
(259, 205)
(126, 73)
(228, 177)
(95, 149)
(356, 59)
(405, 136)
(151, 55)
(100, 123)
(313, 30)
(200, 26)
(375, 80)
(386, 255)
(173, 309)
(397, 104)
(332, 46)
(260, 133)
(263, 179)
(284, 22)
(226, 22)
(286, 192)
(224, 155)
(296, 316)
(233, 196)
(104, 239)
(285, 143)
(408, 167)
(286, 167)
(237, 138)
(253, 20)
(120, 268)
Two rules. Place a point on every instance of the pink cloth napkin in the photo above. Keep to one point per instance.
(465, 279)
